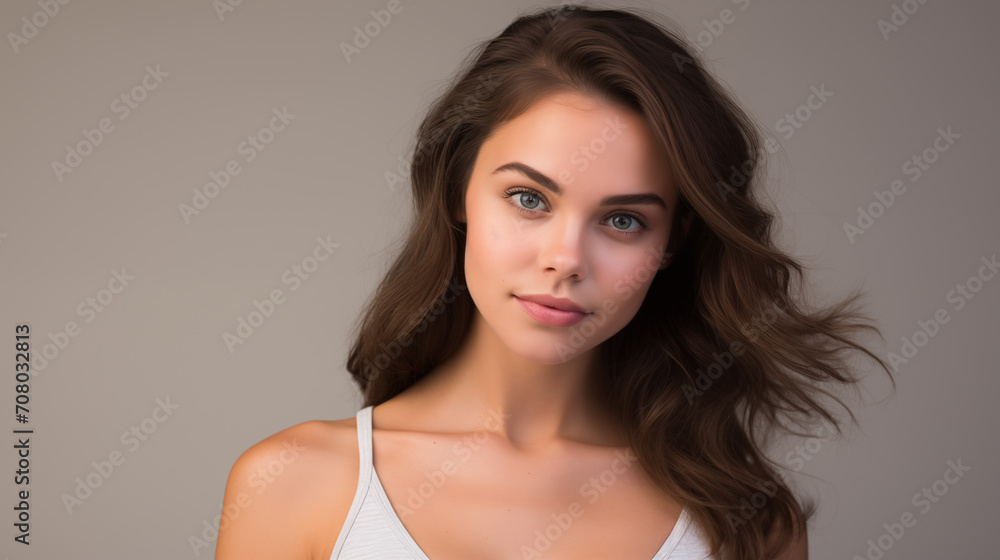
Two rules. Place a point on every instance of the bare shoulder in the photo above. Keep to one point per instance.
(288, 495)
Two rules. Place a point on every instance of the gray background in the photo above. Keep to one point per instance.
(324, 175)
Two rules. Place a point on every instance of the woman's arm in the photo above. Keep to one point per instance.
(283, 496)
(257, 520)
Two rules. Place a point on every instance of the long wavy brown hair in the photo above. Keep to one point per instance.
(723, 354)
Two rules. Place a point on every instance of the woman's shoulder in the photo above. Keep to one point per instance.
(310, 440)
(310, 447)
(288, 494)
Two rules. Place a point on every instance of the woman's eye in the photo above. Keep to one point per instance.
(523, 200)
(623, 221)
(626, 219)
(528, 200)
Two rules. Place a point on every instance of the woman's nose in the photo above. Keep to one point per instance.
(564, 249)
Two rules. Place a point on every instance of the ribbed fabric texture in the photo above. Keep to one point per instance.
(373, 531)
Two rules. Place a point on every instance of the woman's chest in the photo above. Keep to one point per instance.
(459, 501)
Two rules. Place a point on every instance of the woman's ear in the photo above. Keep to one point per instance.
(678, 233)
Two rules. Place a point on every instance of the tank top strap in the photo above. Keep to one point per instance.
(364, 421)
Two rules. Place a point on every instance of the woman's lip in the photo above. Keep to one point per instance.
(550, 315)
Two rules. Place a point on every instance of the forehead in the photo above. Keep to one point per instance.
(581, 142)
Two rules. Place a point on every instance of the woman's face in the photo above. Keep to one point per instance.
(572, 199)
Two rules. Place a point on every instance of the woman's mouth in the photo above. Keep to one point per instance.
(550, 315)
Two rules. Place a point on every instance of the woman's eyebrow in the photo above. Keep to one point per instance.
(543, 180)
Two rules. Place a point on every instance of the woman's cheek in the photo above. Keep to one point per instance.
(510, 236)
(618, 265)
(492, 241)
(625, 275)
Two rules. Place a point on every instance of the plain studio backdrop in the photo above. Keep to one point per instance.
(198, 197)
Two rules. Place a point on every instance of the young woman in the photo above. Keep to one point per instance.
(588, 340)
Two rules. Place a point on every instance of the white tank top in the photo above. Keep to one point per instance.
(373, 531)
